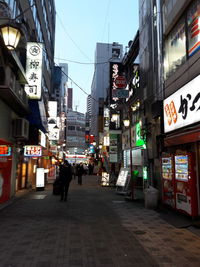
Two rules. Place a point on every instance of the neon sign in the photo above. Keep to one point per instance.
(5, 150)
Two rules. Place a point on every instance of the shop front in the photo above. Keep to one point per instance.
(5, 171)
(180, 161)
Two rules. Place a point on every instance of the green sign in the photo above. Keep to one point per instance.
(139, 140)
(145, 173)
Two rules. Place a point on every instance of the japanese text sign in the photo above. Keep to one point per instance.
(33, 151)
(183, 107)
(5, 150)
(34, 69)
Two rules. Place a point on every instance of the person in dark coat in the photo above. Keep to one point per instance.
(80, 172)
(65, 177)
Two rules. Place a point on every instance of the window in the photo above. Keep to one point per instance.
(71, 128)
(193, 33)
(175, 48)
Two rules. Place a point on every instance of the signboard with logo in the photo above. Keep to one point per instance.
(34, 70)
(183, 107)
(32, 151)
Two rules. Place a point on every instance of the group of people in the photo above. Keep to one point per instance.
(66, 172)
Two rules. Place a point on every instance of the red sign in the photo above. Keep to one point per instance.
(5, 150)
(120, 82)
(33, 151)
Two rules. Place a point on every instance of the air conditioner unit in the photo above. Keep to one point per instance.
(20, 128)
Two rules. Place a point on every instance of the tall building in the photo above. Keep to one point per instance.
(24, 97)
(69, 98)
(104, 53)
(75, 132)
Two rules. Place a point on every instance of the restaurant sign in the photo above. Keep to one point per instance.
(32, 151)
(183, 107)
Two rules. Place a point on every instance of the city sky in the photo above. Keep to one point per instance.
(79, 26)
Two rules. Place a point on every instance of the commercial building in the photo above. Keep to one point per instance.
(25, 88)
(104, 53)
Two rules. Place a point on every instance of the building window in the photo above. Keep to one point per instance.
(71, 128)
(193, 33)
(175, 48)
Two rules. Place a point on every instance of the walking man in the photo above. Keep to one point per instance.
(80, 172)
(65, 179)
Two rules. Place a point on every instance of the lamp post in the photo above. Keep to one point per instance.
(127, 123)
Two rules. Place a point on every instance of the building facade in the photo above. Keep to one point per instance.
(25, 117)
(100, 84)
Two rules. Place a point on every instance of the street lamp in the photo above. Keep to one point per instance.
(11, 35)
(10, 29)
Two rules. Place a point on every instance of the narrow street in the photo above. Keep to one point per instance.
(95, 227)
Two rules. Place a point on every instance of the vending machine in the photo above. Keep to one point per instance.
(168, 181)
(185, 184)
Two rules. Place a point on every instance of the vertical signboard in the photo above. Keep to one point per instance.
(34, 69)
(113, 148)
(117, 81)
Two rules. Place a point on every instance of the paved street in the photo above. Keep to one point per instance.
(95, 227)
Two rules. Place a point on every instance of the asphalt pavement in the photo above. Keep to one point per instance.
(96, 227)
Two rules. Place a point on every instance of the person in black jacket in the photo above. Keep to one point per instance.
(80, 172)
(65, 176)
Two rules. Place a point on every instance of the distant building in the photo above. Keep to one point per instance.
(75, 132)
(105, 53)
(69, 98)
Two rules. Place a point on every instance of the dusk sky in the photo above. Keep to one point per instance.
(79, 26)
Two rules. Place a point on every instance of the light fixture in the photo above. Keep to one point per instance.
(114, 117)
(126, 122)
(11, 35)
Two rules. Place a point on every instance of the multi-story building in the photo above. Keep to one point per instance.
(75, 132)
(169, 77)
(105, 52)
(181, 113)
(24, 97)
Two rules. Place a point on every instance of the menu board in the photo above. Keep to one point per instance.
(122, 178)
(167, 168)
(181, 167)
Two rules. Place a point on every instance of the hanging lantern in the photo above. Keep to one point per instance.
(11, 36)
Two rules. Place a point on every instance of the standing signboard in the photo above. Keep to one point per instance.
(123, 181)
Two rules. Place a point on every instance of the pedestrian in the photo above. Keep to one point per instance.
(65, 176)
(80, 172)
(74, 170)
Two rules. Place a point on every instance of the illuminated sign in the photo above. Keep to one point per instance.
(33, 151)
(145, 173)
(118, 81)
(39, 177)
(5, 150)
(34, 70)
(138, 138)
(183, 107)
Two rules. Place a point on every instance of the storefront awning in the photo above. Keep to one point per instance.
(183, 138)
(37, 116)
